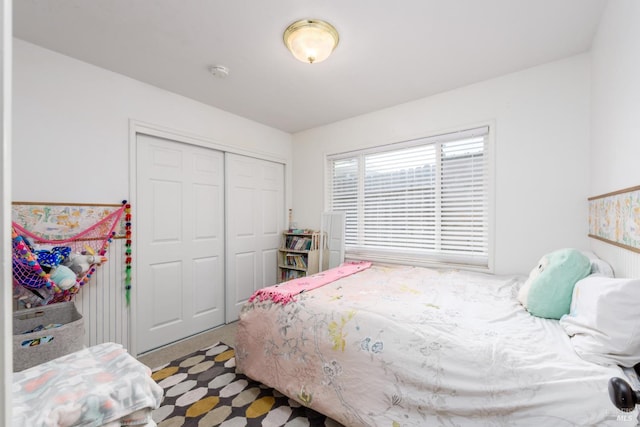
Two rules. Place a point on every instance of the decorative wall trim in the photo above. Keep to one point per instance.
(614, 218)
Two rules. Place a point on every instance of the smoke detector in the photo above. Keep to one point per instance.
(219, 71)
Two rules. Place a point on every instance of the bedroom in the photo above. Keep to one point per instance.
(581, 108)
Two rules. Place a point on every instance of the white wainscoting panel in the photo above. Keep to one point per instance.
(102, 301)
(625, 263)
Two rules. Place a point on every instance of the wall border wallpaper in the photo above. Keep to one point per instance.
(57, 221)
(615, 218)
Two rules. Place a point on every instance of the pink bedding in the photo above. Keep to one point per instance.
(411, 346)
(285, 292)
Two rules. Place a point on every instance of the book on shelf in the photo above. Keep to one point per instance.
(298, 243)
(296, 260)
(291, 274)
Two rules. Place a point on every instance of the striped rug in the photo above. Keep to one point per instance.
(203, 389)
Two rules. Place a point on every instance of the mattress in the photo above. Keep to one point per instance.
(411, 346)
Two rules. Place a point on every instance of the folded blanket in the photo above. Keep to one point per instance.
(284, 293)
(95, 386)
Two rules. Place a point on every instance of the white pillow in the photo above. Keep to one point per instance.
(598, 265)
(604, 320)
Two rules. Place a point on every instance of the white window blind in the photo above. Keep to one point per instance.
(424, 201)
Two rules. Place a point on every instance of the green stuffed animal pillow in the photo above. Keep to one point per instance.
(548, 290)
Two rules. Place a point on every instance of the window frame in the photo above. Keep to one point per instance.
(418, 257)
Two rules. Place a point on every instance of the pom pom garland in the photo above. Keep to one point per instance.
(128, 258)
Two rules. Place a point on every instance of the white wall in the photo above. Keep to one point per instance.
(71, 127)
(6, 329)
(541, 164)
(615, 95)
(615, 115)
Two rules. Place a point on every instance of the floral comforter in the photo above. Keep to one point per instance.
(410, 346)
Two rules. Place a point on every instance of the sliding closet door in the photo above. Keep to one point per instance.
(255, 218)
(180, 232)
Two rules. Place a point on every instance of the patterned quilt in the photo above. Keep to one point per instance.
(410, 346)
(102, 385)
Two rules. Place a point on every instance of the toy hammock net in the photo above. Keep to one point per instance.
(30, 273)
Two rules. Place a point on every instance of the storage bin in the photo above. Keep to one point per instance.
(34, 344)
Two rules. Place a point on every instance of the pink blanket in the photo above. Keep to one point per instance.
(285, 292)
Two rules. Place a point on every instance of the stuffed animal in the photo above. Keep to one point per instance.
(80, 264)
(549, 287)
(63, 276)
(51, 256)
(523, 293)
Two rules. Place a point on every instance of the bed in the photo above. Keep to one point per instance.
(412, 346)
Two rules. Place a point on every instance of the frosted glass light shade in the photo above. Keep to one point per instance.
(310, 40)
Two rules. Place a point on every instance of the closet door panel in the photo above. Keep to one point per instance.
(255, 216)
(180, 237)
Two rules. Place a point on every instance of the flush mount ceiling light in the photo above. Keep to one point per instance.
(311, 40)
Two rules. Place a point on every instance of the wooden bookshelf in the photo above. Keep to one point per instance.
(298, 255)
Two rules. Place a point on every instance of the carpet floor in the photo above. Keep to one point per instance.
(203, 389)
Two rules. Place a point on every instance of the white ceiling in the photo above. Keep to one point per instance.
(389, 52)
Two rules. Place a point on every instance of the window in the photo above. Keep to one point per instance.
(423, 202)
